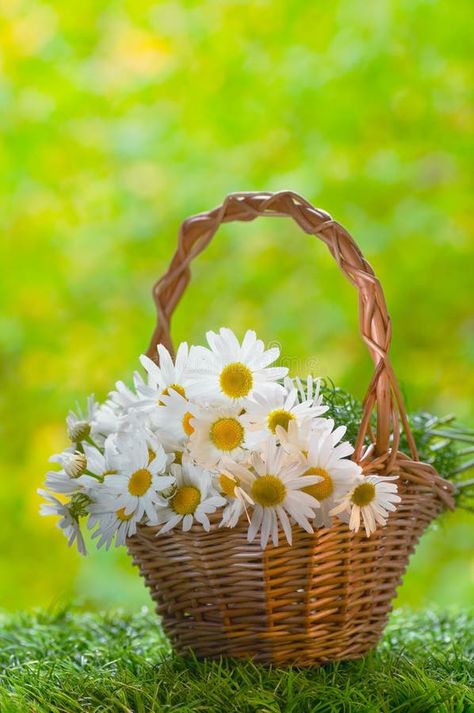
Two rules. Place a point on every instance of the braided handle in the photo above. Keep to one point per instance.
(197, 231)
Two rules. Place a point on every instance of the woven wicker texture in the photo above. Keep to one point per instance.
(328, 595)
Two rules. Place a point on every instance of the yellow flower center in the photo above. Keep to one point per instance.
(324, 488)
(279, 417)
(226, 434)
(268, 490)
(121, 515)
(236, 380)
(171, 387)
(175, 387)
(363, 494)
(139, 482)
(187, 427)
(185, 500)
(228, 484)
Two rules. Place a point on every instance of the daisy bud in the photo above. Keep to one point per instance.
(75, 464)
(78, 431)
(78, 505)
(168, 492)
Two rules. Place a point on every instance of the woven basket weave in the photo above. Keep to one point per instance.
(327, 596)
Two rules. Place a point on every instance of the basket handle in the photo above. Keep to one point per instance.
(197, 231)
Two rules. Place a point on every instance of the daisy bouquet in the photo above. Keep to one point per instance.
(216, 435)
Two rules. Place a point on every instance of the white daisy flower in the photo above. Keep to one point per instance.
(61, 482)
(69, 522)
(167, 377)
(237, 499)
(102, 462)
(109, 418)
(79, 422)
(218, 432)
(326, 458)
(175, 449)
(299, 435)
(115, 414)
(234, 371)
(277, 489)
(139, 481)
(133, 427)
(156, 447)
(123, 397)
(192, 500)
(173, 419)
(278, 407)
(114, 524)
(310, 390)
(373, 497)
(105, 513)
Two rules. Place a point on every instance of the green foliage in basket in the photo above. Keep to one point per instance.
(441, 441)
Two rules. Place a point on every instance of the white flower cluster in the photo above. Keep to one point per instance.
(218, 429)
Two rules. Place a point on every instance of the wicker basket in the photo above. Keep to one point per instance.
(327, 596)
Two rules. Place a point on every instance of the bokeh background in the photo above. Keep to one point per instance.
(119, 119)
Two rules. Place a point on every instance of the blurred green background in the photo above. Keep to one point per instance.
(120, 119)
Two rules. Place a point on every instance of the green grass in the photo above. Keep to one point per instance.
(81, 662)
